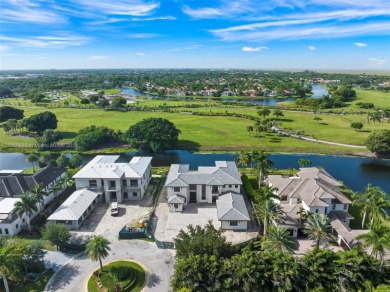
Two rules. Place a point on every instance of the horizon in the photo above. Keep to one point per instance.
(187, 34)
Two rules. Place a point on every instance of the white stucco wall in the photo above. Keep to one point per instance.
(242, 225)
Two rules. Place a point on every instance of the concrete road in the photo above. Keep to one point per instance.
(157, 262)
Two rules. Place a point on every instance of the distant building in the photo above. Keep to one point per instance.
(114, 181)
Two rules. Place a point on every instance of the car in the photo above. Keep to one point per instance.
(114, 209)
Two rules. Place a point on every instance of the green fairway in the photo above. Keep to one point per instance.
(378, 98)
(206, 132)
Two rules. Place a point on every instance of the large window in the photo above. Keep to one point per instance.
(92, 183)
(135, 194)
(124, 182)
(134, 183)
(233, 223)
(176, 189)
(6, 231)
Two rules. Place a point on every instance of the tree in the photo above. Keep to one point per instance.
(76, 161)
(357, 125)
(8, 112)
(244, 159)
(318, 228)
(49, 138)
(202, 240)
(32, 158)
(39, 195)
(304, 162)
(103, 103)
(97, 249)
(249, 129)
(378, 238)
(63, 160)
(379, 142)
(266, 192)
(375, 117)
(317, 119)
(84, 101)
(41, 122)
(27, 205)
(277, 113)
(269, 212)
(118, 102)
(263, 164)
(372, 201)
(57, 234)
(152, 134)
(264, 112)
(278, 240)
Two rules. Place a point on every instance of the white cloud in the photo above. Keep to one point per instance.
(4, 48)
(140, 54)
(142, 35)
(360, 44)
(119, 7)
(154, 18)
(227, 9)
(193, 47)
(312, 48)
(253, 49)
(377, 62)
(97, 57)
(62, 40)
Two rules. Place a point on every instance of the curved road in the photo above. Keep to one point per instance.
(157, 262)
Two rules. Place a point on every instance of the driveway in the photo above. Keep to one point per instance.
(56, 260)
(157, 262)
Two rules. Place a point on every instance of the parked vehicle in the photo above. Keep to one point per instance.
(114, 209)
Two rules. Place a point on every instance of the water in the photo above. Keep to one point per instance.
(355, 172)
(318, 92)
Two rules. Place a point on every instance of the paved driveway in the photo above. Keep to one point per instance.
(56, 260)
(158, 262)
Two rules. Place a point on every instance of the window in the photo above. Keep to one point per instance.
(134, 183)
(17, 226)
(92, 183)
(236, 186)
(176, 189)
(6, 231)
(24, 220)
(135, 194)
(230, 186)
(1, 231)
(193, 187)
(326, 210)
(176, 206)
(124, 182)
(233, 223)
(125, 195)
(112, 184)
(345, 206)
(317, 211)
(203, 195)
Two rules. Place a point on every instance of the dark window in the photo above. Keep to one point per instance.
(124, 182)
(1, 231)
(135, 194)
(193, 187)
(134, 183)
(236, 186)
(176, 206)
(176, 189)
(24, 220)
(326, 209)
(112, 183)
(203, 195)
(316, 210)
(17, 226)
(6, 231)
(233, 223)
(230, 186)
(345, 206)
(125, 195)
(92, 183)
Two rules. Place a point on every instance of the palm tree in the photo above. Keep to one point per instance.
(373, 201)
(375, 117)
(97, 248)
(244, 159)
(269, 212)
(39, 195)
(32, 158)
(278, 240)
(263, 164)
(266, 192)
(27, 205)
(318, 228)
(378, 238)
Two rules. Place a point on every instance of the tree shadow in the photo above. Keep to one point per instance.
(69, 135)
(325, 124)
(284, 120)
(188, 145)
(154, 280)
(62, 278)
(275, 140)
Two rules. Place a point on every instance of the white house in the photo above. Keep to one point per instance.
(10, 223)
(220, 184)
(73, 212)
(311, 190)
(114, 181)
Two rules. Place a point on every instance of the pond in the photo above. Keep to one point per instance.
(318, 91)
(355, 172)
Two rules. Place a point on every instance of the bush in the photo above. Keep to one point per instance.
(120, 273)
(247, 186)
(379, 142)
(357, 125)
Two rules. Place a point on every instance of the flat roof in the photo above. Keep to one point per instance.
(7, 205)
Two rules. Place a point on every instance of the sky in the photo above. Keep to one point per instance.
(247, 34)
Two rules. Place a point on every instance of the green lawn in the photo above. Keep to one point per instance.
(37, 286)
(378, 98)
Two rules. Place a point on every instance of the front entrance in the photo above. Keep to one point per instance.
(193, 197)
(113, 197)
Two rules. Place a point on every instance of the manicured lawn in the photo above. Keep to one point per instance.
(378, 98)
(133, 282)
(24, 237)
(39, 285)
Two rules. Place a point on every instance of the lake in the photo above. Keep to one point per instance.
(318, 91)
(355, 172)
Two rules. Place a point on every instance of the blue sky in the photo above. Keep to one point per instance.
(261, 34)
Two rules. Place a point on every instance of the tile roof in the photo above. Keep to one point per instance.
(231, 206)
(312, 185)
(18, 183)
(223, 173)
(105, 166)
(75, 206)
(176, 199)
